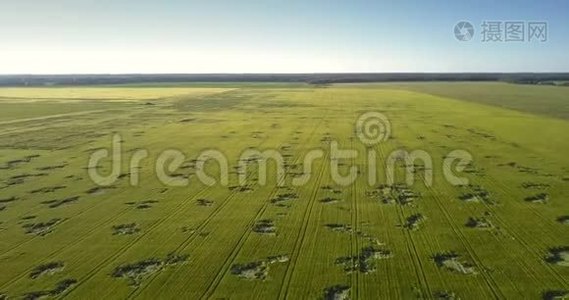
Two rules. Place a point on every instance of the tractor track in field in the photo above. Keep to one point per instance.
(508, 190)
(62, 222)
(504, 225)
(56, 252)
(414, 253)
(43, 118)
(522, 264)
(126, 247)
(39, 207)
(241, 242)
(283, 291)
(190, 239)
(177, 211)
(76, 242)
(523, 242)
(212, 286)
(231, 258)
(495, 182)
(410, 241)
(355, 225)
(490, 281)
(187, 242)
(381, 157)
(388, 233)
(34, 127)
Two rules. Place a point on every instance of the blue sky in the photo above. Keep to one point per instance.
(139, 36)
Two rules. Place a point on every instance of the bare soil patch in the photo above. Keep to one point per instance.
(42, 228)
(476, 193)
(265, 226)
(8, 200)
(48, 189)
(365, 261)
(47, 269)
(479, 223)
(337, 292)
(559, 256)
(142, 205)
(556, 295)
(59, 289)
(330, 200)
(446, 295)
(204, 202)
(414, 221)
(22, 178)
(541, 198)
(53, 167)
(125, 229)
(534, 185)
(284, 197)
(345, 228)
(257, 270)
(563, 220)
(452, 262)
(58, 203)
(99, 190)
(394, 194)
(138, 271)
(13, 164)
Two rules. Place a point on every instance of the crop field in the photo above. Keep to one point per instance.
(501, 233)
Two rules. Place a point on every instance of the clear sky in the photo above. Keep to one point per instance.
(277, 36)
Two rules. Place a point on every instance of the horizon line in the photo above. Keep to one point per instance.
(282, 73)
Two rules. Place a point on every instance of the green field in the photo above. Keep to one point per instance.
(503, 236)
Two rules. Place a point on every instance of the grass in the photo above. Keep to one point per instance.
(519, 151)
(536, 99)
(108, 93)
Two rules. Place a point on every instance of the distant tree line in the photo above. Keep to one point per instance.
(315, 78)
